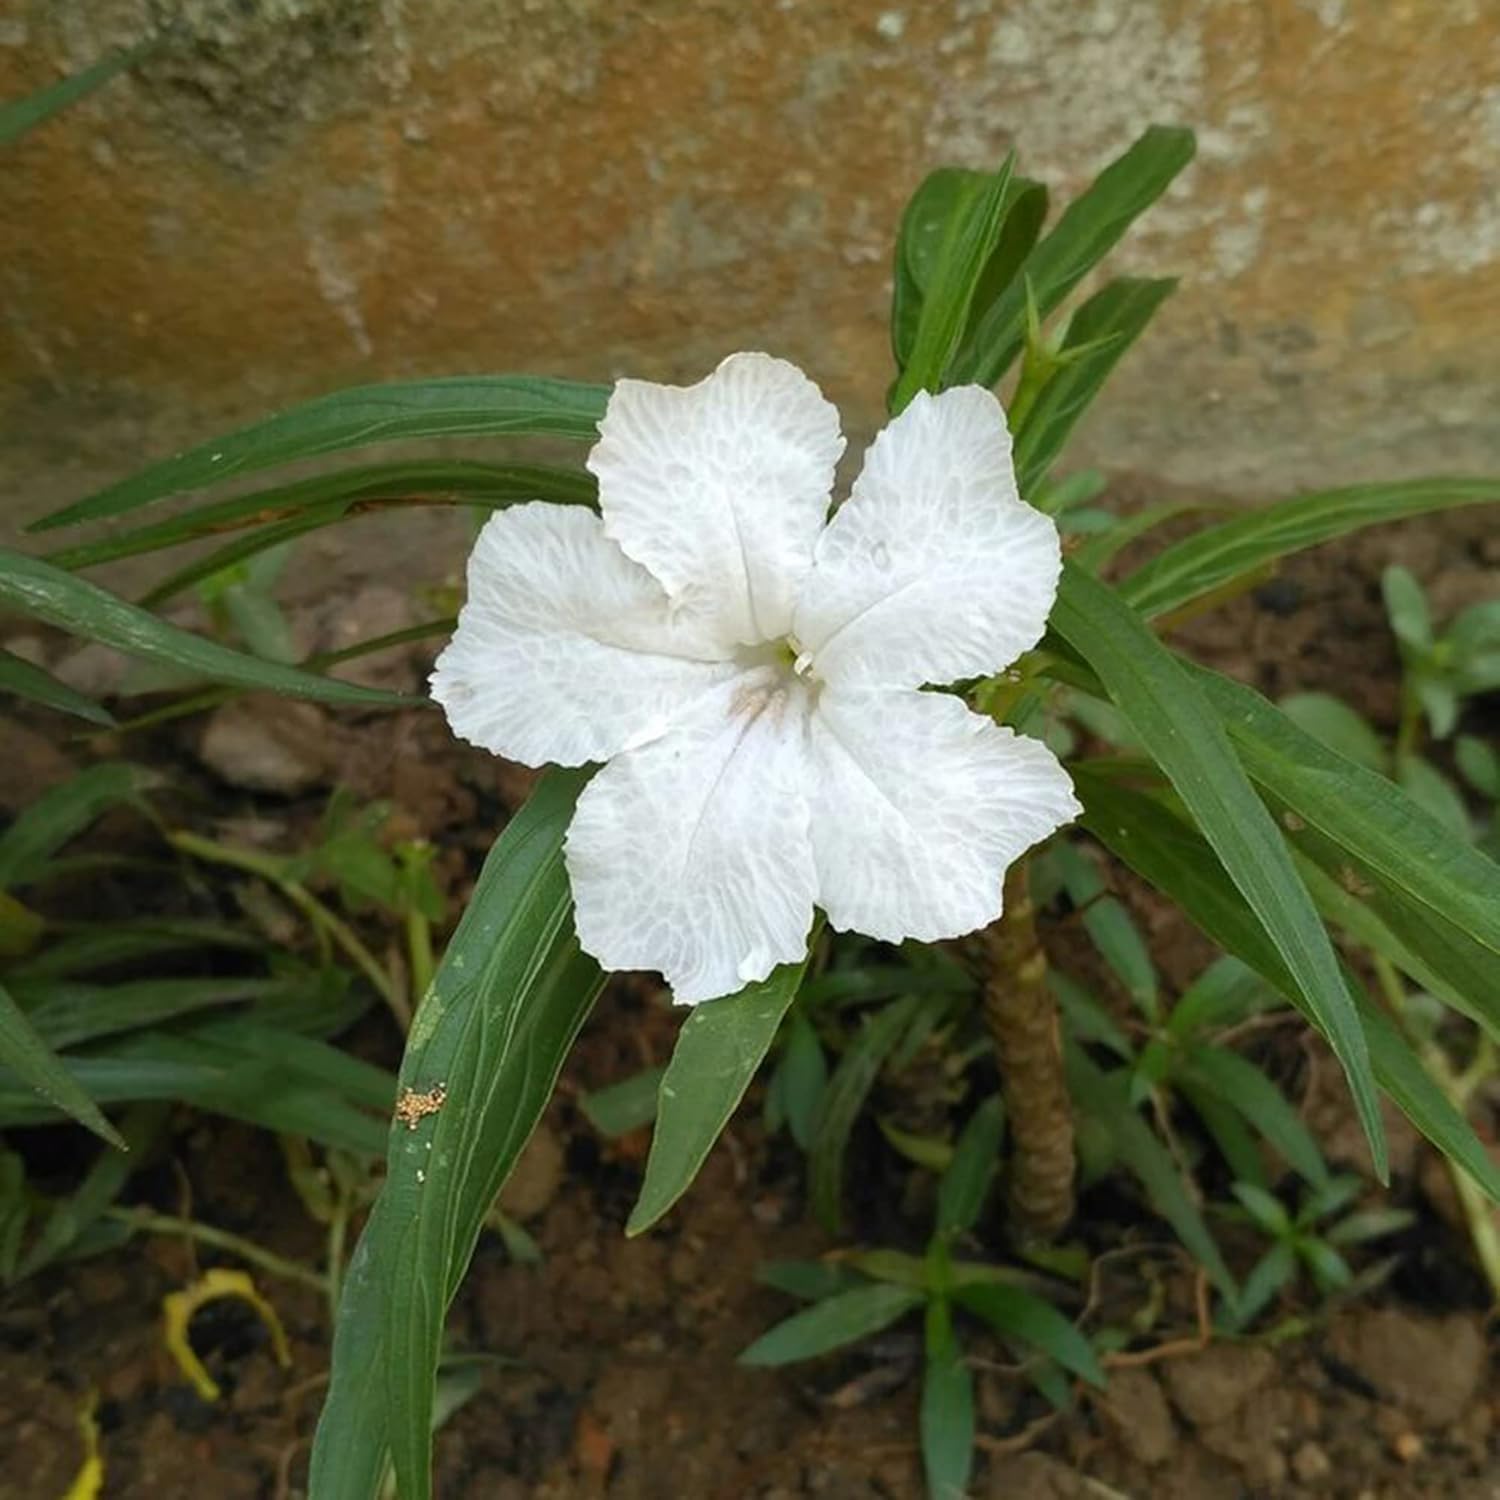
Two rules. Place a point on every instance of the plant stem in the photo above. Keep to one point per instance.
(1022, 1018)
(205, 1234)
(268, 867)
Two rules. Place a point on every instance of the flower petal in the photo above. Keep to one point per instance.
(567, 651)
(918, 805)
(690, 855)
(721, 488)
(934, 569)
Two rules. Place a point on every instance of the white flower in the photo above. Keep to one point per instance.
(751, 674)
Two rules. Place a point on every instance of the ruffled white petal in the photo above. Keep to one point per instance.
(934, 569)
(567, 651)
(720, 488)
(690, 855)
(918, 805)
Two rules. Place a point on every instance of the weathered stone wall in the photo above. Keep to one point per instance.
(294, 194)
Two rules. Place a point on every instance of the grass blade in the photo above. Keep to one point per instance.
(1219, 557)
(843, 1099)
(37, 686)
(37, 1066)
(1160, 697)
(21, 115)
(345, 492)
(961, 1193)
(73, 604)
(720, 1046)
(461, 406)
(63, 812)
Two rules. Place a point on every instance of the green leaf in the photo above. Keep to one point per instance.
(21, 115)
(842, 1319)
(461, 406)
(102, 945)
(1330, 1269)
(961, 1193)
(1264, 1208)
(1098, 336)
(63, 812)
(1160, 697)
(969, 236)
(1230, 1078)
(1105, 1097)
(720, 1046)
(36, 686)
(1226, 992)
(843, 1099)
(1099, 550)
(1164, 850)
(1479, 763)
(66, 1012)
(493, 1030)
(71, 1216)
(1406, 608)
(804, 1076)
(809, 1280)
(1474, 648)
(1371, 1224)
(327, 498)
(1435, 795)
(1438, 894)
(73, 604)
(1087, 1020)
(1110, 927)
(947, 1416)
(1017, 1314)
(1333, 723)
(1220, 556)
(37, 1066)
(624, 1106)
(1088, 230)
(1271, 1273)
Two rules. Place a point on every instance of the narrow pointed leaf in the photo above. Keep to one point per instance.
(345, 492)
(38, 1067)
(961, 1193)
(1438, 894)
(492, 1030)
(842, 1319)
(1237, 549)
(947, 1416)
(38, 686)
(62, 812)
(21, 115)
(1165, 706)
(461, 406)
(47, 593)
(720, 1046)
(1019, 1314)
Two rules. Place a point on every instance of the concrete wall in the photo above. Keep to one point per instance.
(294, 194)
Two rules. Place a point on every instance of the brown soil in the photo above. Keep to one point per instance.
(619, 1377)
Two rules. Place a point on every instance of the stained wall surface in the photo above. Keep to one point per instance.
(293, 194)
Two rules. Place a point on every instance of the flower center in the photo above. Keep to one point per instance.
(788, 652)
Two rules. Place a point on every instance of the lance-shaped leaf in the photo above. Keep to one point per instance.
(1175, 723)
(483, 1055)
(462, 406)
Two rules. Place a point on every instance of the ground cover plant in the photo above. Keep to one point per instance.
(1340, 881)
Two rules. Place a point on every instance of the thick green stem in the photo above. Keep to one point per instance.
(1022, 1018)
